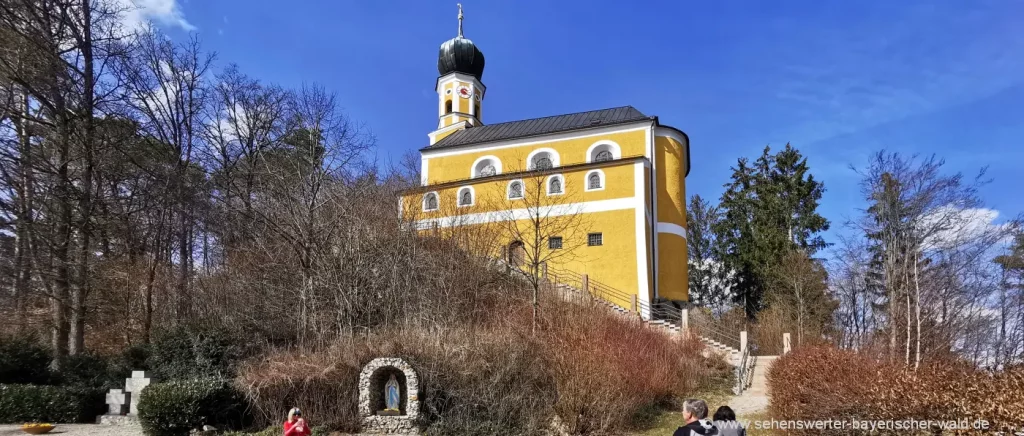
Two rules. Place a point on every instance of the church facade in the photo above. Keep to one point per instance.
(606, 187)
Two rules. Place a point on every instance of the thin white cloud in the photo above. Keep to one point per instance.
(954, 226)
(164, 13)
(880, 69)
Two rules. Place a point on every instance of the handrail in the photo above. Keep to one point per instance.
(742, 371)
(614, 297)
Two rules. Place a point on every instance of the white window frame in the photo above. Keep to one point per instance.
(472, 196)
(436, 197)
(473, 173)
(508, 190)
(547, 184)
(586, 181)
(611, 145)
(552, 154)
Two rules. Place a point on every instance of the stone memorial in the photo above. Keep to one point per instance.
(117, 402)
(389, 397)
(135, 385)
(123, 404)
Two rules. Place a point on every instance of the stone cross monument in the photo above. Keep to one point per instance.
(123, 404)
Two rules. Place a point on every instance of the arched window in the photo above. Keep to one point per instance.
(430, 201)
(476, 110)
(542, 162)
(448, 107)
(595, 180)
(515, 190)
(516, 253)
(555, 185)
(603, 150)
(542, 159)
(466, 197)
(486, 166)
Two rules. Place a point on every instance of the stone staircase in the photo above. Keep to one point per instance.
(755, 398)
(674, 327)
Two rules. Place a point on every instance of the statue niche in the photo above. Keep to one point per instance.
(388, 391)
(388, 397)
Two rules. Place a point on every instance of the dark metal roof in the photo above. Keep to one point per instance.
(541, 126)
(460, 55)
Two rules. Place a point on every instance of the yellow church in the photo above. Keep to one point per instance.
(601, 193)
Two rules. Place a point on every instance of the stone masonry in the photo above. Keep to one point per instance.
(380, 424)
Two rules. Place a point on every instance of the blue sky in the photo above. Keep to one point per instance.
(837, 79)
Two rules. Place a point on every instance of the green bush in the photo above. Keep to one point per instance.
(23, 361)
(187, 353)
(176, 407)
(34, 403)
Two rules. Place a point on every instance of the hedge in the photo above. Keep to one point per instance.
(823, 383)
(35, 403)
(176, 407)
(23, 361)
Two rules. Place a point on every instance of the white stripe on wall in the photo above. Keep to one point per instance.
(525, 213)
(672, 228)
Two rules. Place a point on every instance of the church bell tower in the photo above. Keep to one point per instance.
(460, 92)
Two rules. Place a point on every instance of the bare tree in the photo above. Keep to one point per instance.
(165, 86)
(542, 218)
(925, 233)
(802, 281)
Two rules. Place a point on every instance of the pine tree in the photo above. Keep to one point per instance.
(769, 209)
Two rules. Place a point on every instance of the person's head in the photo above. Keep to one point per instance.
(294, 414)
(725, 413)
(694, 409)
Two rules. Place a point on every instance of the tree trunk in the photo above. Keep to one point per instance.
(80, 293)
(917, 309)
(184, 254)
(22, 261)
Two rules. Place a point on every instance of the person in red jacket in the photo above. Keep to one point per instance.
(295, 425)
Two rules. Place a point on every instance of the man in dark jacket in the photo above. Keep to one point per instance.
(695, 412)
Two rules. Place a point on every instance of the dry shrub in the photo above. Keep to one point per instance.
(609, 368)
(596, 370)
(821, 382)
(323, 384)
(471, 382)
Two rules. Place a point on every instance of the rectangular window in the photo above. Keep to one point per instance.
(595, 239)
(555, 242)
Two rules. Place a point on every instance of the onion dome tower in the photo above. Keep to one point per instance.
(460, 92)
(460, 55)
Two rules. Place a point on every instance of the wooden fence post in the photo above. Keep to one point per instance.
(743, 341)
(632, 303)
(684, 321)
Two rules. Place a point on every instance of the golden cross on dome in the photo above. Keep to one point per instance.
(460, 19)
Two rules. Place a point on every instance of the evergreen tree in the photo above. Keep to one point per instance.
(708, 281)
(769, 209)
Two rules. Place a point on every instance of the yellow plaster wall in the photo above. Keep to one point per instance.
(672, 268)
(671, 181)
(614, 263)
(492, 193)
(571, 151)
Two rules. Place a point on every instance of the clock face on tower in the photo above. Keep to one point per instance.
(463, 91)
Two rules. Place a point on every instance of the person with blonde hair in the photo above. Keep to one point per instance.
(296, 425)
